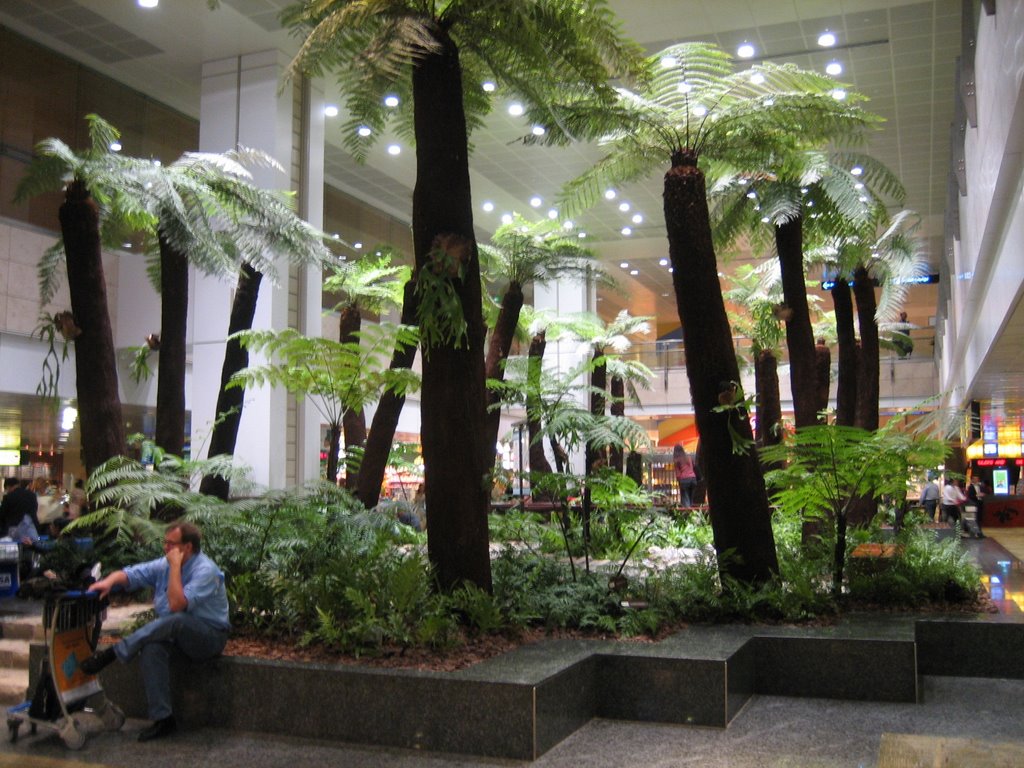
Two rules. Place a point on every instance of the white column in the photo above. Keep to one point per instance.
(243, 104)
(566, 297)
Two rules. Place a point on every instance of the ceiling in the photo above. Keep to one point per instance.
(900, 54)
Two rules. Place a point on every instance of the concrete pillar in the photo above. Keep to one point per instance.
(243, 103)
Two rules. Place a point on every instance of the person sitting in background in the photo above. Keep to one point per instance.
(17, 503)
(48, 507)
(78, 501)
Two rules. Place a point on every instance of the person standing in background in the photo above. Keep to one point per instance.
(930, 497)
(686, 475)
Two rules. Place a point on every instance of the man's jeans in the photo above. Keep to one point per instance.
(154, 643)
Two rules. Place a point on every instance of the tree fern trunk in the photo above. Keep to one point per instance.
(617, 408)
(822, 378)
(99, 404)
(867, 365)
(170, 387)
(353, 420)
(236, 358)
(452, 425)
(385, 417)
(538, 461)
(769, 404)
(846, 391)
(799, 335)
(740, 515)
(494, 368)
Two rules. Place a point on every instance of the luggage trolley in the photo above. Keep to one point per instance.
(71, 623)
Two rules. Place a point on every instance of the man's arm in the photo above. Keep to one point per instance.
(176, 599)
(108, 582)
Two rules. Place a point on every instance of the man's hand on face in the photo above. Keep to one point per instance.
(174, 550)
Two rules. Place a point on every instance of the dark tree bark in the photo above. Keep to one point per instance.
(846, 387)
(494, 368)
(867, 366)
(99, 403)
(170, 386)
(452, 426)
(769, 403)
(738, 502)
(385, 418)
(353, 420)
(822, 378)
(799, 334)
(334, 445)
(538, 461)
(617, 408)
(236, 358)
(594, 456)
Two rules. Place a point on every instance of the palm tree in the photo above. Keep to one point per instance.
(761, 324)
(863, 257)
(696, 108)
(201, 209)
(521, 254)
(800, 193)
(367, 285)
(434, 57)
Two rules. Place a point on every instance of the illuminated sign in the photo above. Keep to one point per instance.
(990, 463)
(10, 457)
(991, 449)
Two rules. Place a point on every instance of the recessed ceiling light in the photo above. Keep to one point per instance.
(826, 39)
(627, 231)
(516, 109)
(394, 149)
(634, 271)
(623, 206)
(506, 218)
(765, 219)
(489, 87)
(581, 235)
(488, 206)
(330, 110)
(684, 87)
(539, 130)
(552, 213)
(671, 270)
(157, 163)
(863, 198)
(624, 264)
(336, 236)
(856, 170)
(568, 224)
(745, 51)
(357, 246)
(752, 194)
(535, 201)
(668, 62)
(834, 68)
(663, 262)
(609, 194)
(700, 110)
(364, 130)
(637, 218)
(838, 94)
(757, 78)
(858, 185)
(115, 146)
(148, 3)
(391, 100)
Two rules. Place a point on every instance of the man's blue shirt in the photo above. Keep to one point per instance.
(201, 579)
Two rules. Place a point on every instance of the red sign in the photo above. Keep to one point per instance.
(992, 462)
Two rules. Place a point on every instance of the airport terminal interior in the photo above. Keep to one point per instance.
(945, 77)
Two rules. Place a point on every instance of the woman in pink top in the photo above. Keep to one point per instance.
(686, 476)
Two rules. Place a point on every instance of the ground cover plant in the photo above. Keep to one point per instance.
(310, 571)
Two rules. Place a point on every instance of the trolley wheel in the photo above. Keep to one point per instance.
(12, 730)
(112, 717)
(72, 736)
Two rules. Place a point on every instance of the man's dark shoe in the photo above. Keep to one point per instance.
(98, 661)
(160, 728)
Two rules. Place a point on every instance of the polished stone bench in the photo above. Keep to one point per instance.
(520, 704)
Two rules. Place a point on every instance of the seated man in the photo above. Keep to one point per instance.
(191, 605)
